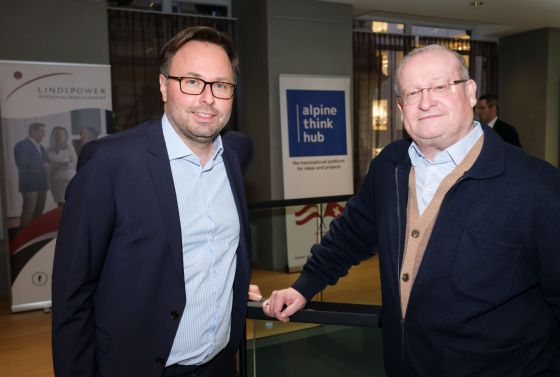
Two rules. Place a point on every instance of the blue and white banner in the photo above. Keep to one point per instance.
(316, 136)
(316, 155)
(316, 122)
(48, 112)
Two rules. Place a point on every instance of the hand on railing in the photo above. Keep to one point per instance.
(254, 293)
(282, 304)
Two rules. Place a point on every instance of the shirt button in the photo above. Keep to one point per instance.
(160, 360)
(174, 315)
(405, 277)
(415, 233)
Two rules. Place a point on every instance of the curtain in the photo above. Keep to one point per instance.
(377, 119)
(135, 41)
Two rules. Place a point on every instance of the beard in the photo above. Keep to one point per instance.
(182, 120)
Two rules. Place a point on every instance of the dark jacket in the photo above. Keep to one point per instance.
(507, 132)
(118, 284)
(486, 300)
(32, 175)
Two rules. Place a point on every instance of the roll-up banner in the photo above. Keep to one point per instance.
(49, 111)
(315, 117)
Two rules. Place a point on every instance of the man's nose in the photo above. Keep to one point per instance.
(206, 96)
(426, 100)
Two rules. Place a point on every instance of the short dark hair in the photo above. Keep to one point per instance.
(491, 100)
(34, 127)
(202, 34)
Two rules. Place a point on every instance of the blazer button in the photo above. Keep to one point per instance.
(160, 360)
(174, 315)
(415, 233)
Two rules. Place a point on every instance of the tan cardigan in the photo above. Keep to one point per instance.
(419, 227)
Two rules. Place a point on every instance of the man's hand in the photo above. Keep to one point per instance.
(282, 304)
(254, 293)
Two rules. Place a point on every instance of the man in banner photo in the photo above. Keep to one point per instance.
(32, 164)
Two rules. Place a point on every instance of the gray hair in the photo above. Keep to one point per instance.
(34, 127)
(463, 69)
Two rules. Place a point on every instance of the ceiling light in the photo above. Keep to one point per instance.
(477, 3)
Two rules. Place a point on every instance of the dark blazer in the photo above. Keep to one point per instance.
(30, 163)
(118, 284)
(486, 300)
(507, 132)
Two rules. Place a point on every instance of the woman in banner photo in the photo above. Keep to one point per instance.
(62, 160)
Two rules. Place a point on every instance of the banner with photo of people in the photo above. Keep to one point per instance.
(48, 112)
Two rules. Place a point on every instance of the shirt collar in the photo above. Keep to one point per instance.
(492, 122)
(176, 147)
(34, 142)
(455, 153)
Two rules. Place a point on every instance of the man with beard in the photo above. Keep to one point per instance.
(152, 266)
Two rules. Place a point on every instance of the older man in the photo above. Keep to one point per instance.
(467, 228)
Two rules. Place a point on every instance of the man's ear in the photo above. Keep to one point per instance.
(163, 87)
(471, 92)
(400, 109)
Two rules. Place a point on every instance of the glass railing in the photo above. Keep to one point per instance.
(323, 339)
(337, 334)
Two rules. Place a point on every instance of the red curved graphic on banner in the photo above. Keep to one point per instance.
(305, 209)
(307, 213)
(35, 79)
(307, 219)
(46, 223)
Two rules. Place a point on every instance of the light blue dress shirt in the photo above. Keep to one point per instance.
(210, 234)
(429, 174)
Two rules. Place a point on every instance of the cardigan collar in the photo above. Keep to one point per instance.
(490, 162)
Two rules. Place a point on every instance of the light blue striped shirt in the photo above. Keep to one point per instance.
(210, 233)
(429, 174)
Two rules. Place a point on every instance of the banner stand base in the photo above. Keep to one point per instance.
(45, 305)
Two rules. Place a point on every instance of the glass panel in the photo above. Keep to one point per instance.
(281, 243)
(308, 350)
(279, 349)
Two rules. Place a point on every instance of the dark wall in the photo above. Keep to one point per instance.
(73, 31)
(553, 100)
(529, 89)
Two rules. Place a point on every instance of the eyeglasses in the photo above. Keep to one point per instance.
(195, 86)
(412, 97)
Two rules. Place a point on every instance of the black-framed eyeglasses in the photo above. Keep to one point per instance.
(412, 97)
(195, 86)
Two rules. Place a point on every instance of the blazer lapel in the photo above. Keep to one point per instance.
(160, 170)
(235, 177)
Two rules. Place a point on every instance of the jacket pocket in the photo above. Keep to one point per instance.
(102, 340)
(484, 269)
(482, 363)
